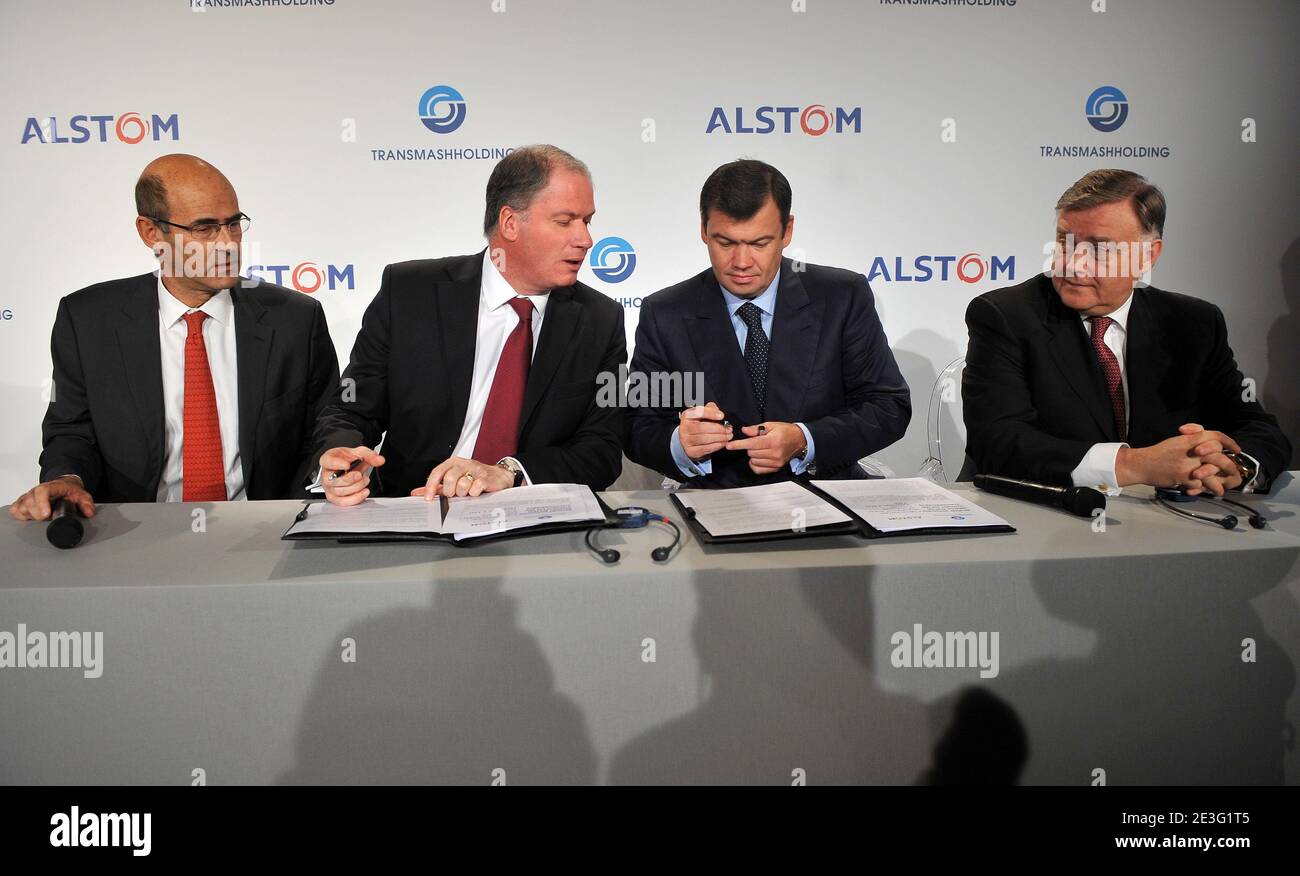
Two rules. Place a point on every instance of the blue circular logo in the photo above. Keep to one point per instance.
(442, 109)
(1106, 109)
(613, 259)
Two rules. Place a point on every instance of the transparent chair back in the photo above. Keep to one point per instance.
(946, 391)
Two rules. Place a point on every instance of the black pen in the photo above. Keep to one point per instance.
(353, 467)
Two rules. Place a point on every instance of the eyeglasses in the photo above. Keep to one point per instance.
(209, 230)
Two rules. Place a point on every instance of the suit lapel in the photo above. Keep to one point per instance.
(137, 336)
(1145, 360)
(714, 340)
(796, 331)
(559, 326)
(252, 353)
(455, 302)
(1068, 344)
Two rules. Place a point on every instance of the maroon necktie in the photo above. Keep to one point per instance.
(1110, 370)
(499, 432)
(203, 471)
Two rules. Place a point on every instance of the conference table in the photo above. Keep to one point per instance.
(1138, 648)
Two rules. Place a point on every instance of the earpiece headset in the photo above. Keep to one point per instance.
(1168, 497)
(634, 517)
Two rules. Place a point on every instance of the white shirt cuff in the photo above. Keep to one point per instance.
(1097, 469)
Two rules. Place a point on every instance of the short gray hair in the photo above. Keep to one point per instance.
(1109, 186)
(520, 176)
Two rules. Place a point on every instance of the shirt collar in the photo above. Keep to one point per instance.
(219, 307)
(764, 301)
(1119, 315)
(496, 292)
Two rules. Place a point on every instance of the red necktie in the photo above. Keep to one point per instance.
(1110, 370)
(203, 473)
(498, 434)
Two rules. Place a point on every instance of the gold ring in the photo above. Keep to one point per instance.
(468, 475)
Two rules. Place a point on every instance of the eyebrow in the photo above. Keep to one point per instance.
(1061, 232)
(571, 214)
(209, 220)
(722, 238)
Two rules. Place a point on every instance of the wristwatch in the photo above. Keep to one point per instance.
(1245, 466)
(512, 465)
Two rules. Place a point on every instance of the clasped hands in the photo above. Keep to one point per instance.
(1193, 460)
(770, 445)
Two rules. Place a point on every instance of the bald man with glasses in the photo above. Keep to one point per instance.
(191, 384)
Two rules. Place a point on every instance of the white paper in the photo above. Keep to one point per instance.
(900, 504)
(515, 508)
(407, 514)
(781, 507)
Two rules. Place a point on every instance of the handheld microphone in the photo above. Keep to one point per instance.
(1080, 501)
(64, 529)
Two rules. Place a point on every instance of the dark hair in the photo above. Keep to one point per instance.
(1109, 186)
(740, 188)
(518, 178)
(151, 196)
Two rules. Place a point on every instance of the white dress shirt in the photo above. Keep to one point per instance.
(496, 320)
(1097, 468)
(219, 339)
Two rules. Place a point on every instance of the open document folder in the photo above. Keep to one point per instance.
(873, 508)
(516, 511)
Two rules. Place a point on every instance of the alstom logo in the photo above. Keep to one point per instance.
(969, 268)
(130, 128)
(306, 276)
(814, 120)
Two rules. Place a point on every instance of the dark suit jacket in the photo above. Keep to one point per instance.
(105, 421)
(1035, 400)
(413, 363)
(829, 367)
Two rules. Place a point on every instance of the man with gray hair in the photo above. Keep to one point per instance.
(480, 372)
(1083, 378)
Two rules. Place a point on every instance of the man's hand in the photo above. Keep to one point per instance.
(353, 487)
(770, 448)
(701, 431)
(464, 477)
(1193, 459)
(38, 502)
(1217, 472)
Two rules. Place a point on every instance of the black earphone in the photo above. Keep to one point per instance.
(634, 517)
(1167, 496)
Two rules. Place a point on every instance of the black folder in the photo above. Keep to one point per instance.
(854, 526)
(379, 537)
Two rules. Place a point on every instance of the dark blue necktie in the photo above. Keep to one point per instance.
(756, 346)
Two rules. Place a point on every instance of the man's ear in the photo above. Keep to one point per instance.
(1149, 254)
(704, 232)
(148, 231)
(508, 223)
(1157, 246)
(789, 232)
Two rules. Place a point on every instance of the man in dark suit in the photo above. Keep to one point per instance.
(797, 373)
(480, 372)
(186, 385)
(1082, 379)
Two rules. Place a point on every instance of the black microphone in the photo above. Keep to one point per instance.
(64, 529)
(1080, 501)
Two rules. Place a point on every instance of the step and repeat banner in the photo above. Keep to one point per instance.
(926, 143)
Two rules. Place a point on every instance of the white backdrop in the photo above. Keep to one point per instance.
(960, 106)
